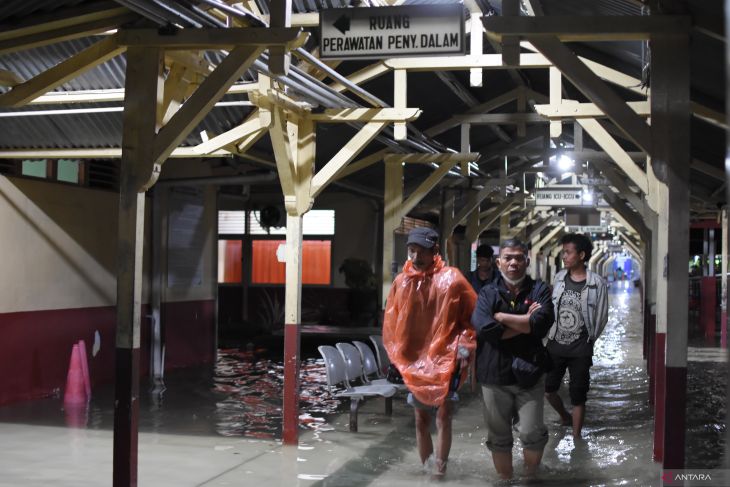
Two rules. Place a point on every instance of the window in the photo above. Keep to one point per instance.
(269, 266)
(36, 169)
(229, 261)
(315, 222)
(68, 171)
(231, 222)
(268, 255)
(61, 170)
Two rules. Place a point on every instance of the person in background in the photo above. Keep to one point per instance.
(428, 336)
(486, 271)
(581, 302)
(512, 316)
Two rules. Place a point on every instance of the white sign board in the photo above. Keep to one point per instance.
(555, 196)
(593, 181)
(586, 229)
(384, 32)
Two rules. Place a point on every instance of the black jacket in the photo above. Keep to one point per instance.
(494, 355)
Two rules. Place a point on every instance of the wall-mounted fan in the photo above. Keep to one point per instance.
(271, 216)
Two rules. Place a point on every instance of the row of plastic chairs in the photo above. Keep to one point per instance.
(348, 364)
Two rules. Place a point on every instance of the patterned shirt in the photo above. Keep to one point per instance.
(571, 338)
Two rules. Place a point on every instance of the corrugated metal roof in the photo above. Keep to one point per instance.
(101, 130)
(31, 62)
(10, 9)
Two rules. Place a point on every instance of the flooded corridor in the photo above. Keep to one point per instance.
(222, 429)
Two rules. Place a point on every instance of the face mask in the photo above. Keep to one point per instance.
(511, 282)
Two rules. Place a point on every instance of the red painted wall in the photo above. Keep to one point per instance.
(36, 346)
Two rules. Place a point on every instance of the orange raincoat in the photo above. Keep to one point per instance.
(427, 317)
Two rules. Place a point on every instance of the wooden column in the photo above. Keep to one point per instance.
(142, 85)
(670, 147)
(393, 197)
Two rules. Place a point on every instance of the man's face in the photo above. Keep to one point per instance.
(484, 264)
(512, 263)
(571, 257)
(421, 257)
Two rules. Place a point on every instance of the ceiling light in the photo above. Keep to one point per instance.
(565, 163)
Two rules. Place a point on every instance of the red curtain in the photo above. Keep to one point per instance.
(316, 262)
(231, 261)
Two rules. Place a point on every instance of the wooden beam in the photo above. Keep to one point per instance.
(488, 106)
(620, 183)
(536, 230)
(474, 200)
(476, 46)
(400, 100)
(433, 158)
(214, 38)
(488, 217)
(463, 63)
(107, 153)
(175, 89)
(556, 95)
(425, 187)
(510, 45)
(8, 78)
(253, 125)
(501, 118)
(363, 163)
(348, 152)
(617, 153)
(279, 57)
(85, 60)
(587, 28)
(307, 19)
(362, 76)
(344, 115)
(591, 86)
(708, 169)
(631, 217)
(200, 103)
(24, 39)
(282, 151)
(572, 109)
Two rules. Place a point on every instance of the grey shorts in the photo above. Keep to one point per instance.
(500, 405)
(451, 396)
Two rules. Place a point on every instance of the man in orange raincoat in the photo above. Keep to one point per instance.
(428, 335)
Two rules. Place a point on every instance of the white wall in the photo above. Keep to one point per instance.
(58, 244)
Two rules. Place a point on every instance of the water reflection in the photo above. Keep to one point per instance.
(252, 388)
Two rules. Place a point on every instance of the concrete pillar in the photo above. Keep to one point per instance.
(143, 77)
(670, 129)
(292, 321)
(723, 280)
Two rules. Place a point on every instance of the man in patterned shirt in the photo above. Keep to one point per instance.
(581, 312)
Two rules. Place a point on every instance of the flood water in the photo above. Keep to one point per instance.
(241, 396)
(253, 388)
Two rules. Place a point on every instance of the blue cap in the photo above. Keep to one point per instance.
(423, 236)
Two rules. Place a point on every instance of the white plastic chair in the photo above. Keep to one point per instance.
(381, 354)
(337, 376)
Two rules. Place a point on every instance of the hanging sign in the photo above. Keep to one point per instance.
(557, 196)
(385, 32)
(586, 229)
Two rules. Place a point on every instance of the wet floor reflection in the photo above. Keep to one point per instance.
(253, 386)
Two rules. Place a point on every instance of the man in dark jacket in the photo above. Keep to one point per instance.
(511, 318)
(485, 271)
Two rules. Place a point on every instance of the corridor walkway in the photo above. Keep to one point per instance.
(178, 447)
